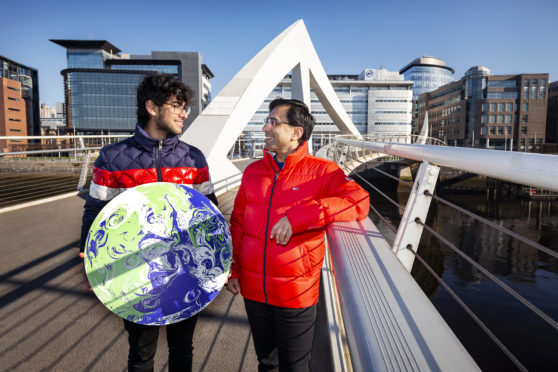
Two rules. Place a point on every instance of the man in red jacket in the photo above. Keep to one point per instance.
(278, 222)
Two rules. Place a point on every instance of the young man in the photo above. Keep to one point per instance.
(153, 154)
(277, 226)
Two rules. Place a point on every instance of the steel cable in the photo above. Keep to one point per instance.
(470, 312)
(503, 285)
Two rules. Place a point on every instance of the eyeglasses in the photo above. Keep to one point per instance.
(274, 122)
(177, 109)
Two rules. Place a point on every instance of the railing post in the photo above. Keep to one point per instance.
(84, 169)
(409, 231)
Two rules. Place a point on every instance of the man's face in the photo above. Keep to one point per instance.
(282, 137)
(171, 116)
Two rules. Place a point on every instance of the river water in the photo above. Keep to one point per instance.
(533, 274)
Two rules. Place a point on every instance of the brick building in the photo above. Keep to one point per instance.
(489, 111)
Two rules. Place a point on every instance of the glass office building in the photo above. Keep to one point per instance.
(427, 74)
(100, 83)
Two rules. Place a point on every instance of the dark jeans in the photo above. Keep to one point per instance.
(143, 345)
(282, 336)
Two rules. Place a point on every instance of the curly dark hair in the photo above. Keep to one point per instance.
(160, 88)
(298, 115)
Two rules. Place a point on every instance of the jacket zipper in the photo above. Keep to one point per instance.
(158, 161)
(266, 231)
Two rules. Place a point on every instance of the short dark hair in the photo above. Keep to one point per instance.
(160, 88)
(298, 115)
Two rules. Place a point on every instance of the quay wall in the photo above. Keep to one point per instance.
(50, 167)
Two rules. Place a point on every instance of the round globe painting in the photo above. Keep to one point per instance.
(158, 253)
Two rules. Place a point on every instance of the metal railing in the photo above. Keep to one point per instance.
(529, 169)
(47, 166)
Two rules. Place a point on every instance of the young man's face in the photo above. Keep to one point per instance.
(171, 116)
(282, 137)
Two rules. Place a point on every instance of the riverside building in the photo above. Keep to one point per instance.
(502, 112)
(19, 103)
(100, 83)
(427, 74)
(376, 100)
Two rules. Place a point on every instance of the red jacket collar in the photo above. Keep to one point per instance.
(291, 160)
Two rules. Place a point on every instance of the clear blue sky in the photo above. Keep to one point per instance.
(507, 36)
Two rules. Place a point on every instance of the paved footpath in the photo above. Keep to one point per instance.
(49, 322)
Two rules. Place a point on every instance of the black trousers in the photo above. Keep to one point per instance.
(282, 336)
(143, 345)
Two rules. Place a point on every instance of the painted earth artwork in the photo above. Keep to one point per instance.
(158, 253)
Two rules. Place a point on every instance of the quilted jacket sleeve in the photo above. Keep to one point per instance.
(237, 223)
(93, 204)
(341, 199)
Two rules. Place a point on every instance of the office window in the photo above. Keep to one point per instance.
(500, 130)
(525, 107)
(539, 140)
(508, 130)
(483, 131)
(531, 141)
(524, 118)
(509, 106)
(492, 107)
(523, 142)
(525, 92)
(508, 118)
(484, 119)
(501, 107)
(492, 130)
(492, 118)
(523, 130)
(500, 119)
(485, 107)
(542, 89)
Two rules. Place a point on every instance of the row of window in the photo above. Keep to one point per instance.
(501, 119)
(445, 112)
(495, 130)
(443, 132)
(390, 112)
(390, 123)
(442, 123)
(533, 84)
(503, 106)
(392, 100)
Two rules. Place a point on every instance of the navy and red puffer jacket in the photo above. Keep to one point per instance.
(311, 192)
(141, 159)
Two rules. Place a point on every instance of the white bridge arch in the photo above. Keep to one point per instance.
(216, 129)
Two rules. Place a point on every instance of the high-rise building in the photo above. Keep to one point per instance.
(490, 111)
(376, 100)
(100, 83)
(427, 74)
(19, 101)
(53, 119)
(552, 113)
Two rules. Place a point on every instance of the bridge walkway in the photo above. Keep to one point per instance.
(48, 320)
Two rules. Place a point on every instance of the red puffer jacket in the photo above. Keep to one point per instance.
(311, 192)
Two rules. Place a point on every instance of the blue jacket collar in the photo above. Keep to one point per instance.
(148, 142)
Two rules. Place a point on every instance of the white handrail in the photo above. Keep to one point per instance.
(538, 170)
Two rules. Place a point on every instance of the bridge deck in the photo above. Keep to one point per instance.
(48, 321)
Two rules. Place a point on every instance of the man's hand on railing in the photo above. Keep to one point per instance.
(81, 255)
